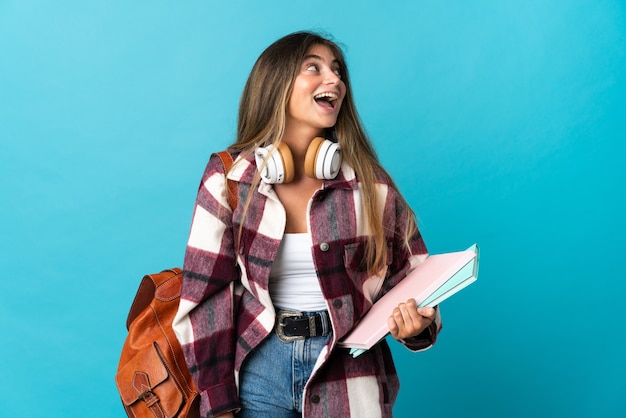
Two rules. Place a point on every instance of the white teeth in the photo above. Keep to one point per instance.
(328, 95)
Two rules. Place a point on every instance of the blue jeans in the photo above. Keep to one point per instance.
(272, 378)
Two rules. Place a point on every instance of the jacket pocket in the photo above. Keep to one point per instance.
(367, 284)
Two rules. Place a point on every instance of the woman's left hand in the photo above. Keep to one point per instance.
(407, 320)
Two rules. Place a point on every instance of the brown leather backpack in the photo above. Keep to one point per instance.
(152, 377)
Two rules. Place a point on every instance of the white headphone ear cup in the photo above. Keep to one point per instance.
(329, 160)
(323, 159)
(266, 167)
(275, 163)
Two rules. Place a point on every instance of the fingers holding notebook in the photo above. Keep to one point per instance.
(407, 320)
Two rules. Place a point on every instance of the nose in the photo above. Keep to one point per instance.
(332, 78)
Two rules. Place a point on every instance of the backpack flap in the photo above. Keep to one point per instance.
(144, 383)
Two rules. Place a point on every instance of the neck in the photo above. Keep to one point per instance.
(299, 141)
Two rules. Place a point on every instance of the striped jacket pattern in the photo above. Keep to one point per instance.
(226, 309)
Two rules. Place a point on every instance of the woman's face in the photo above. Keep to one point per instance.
(318, 91)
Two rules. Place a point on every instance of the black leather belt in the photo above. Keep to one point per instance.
(293, 325)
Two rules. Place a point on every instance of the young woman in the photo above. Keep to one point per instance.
(319, 234)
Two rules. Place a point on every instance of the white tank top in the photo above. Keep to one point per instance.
(293, 282)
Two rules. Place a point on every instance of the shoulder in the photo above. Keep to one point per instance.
(383, 176)
(213, 166)
(242, 169)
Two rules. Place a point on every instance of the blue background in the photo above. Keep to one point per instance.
(503, 123)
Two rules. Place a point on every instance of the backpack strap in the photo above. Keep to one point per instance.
(231, 194)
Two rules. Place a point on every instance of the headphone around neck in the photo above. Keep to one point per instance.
(322, 161)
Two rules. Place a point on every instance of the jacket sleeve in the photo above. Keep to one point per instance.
(204, 323)
(403, 261)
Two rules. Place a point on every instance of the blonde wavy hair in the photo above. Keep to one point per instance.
(262, 118)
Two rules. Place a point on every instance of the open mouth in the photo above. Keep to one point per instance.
(326, 99)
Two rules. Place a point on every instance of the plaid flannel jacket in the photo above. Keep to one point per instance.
(226, 310)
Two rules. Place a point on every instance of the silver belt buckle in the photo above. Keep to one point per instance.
(280, 327)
